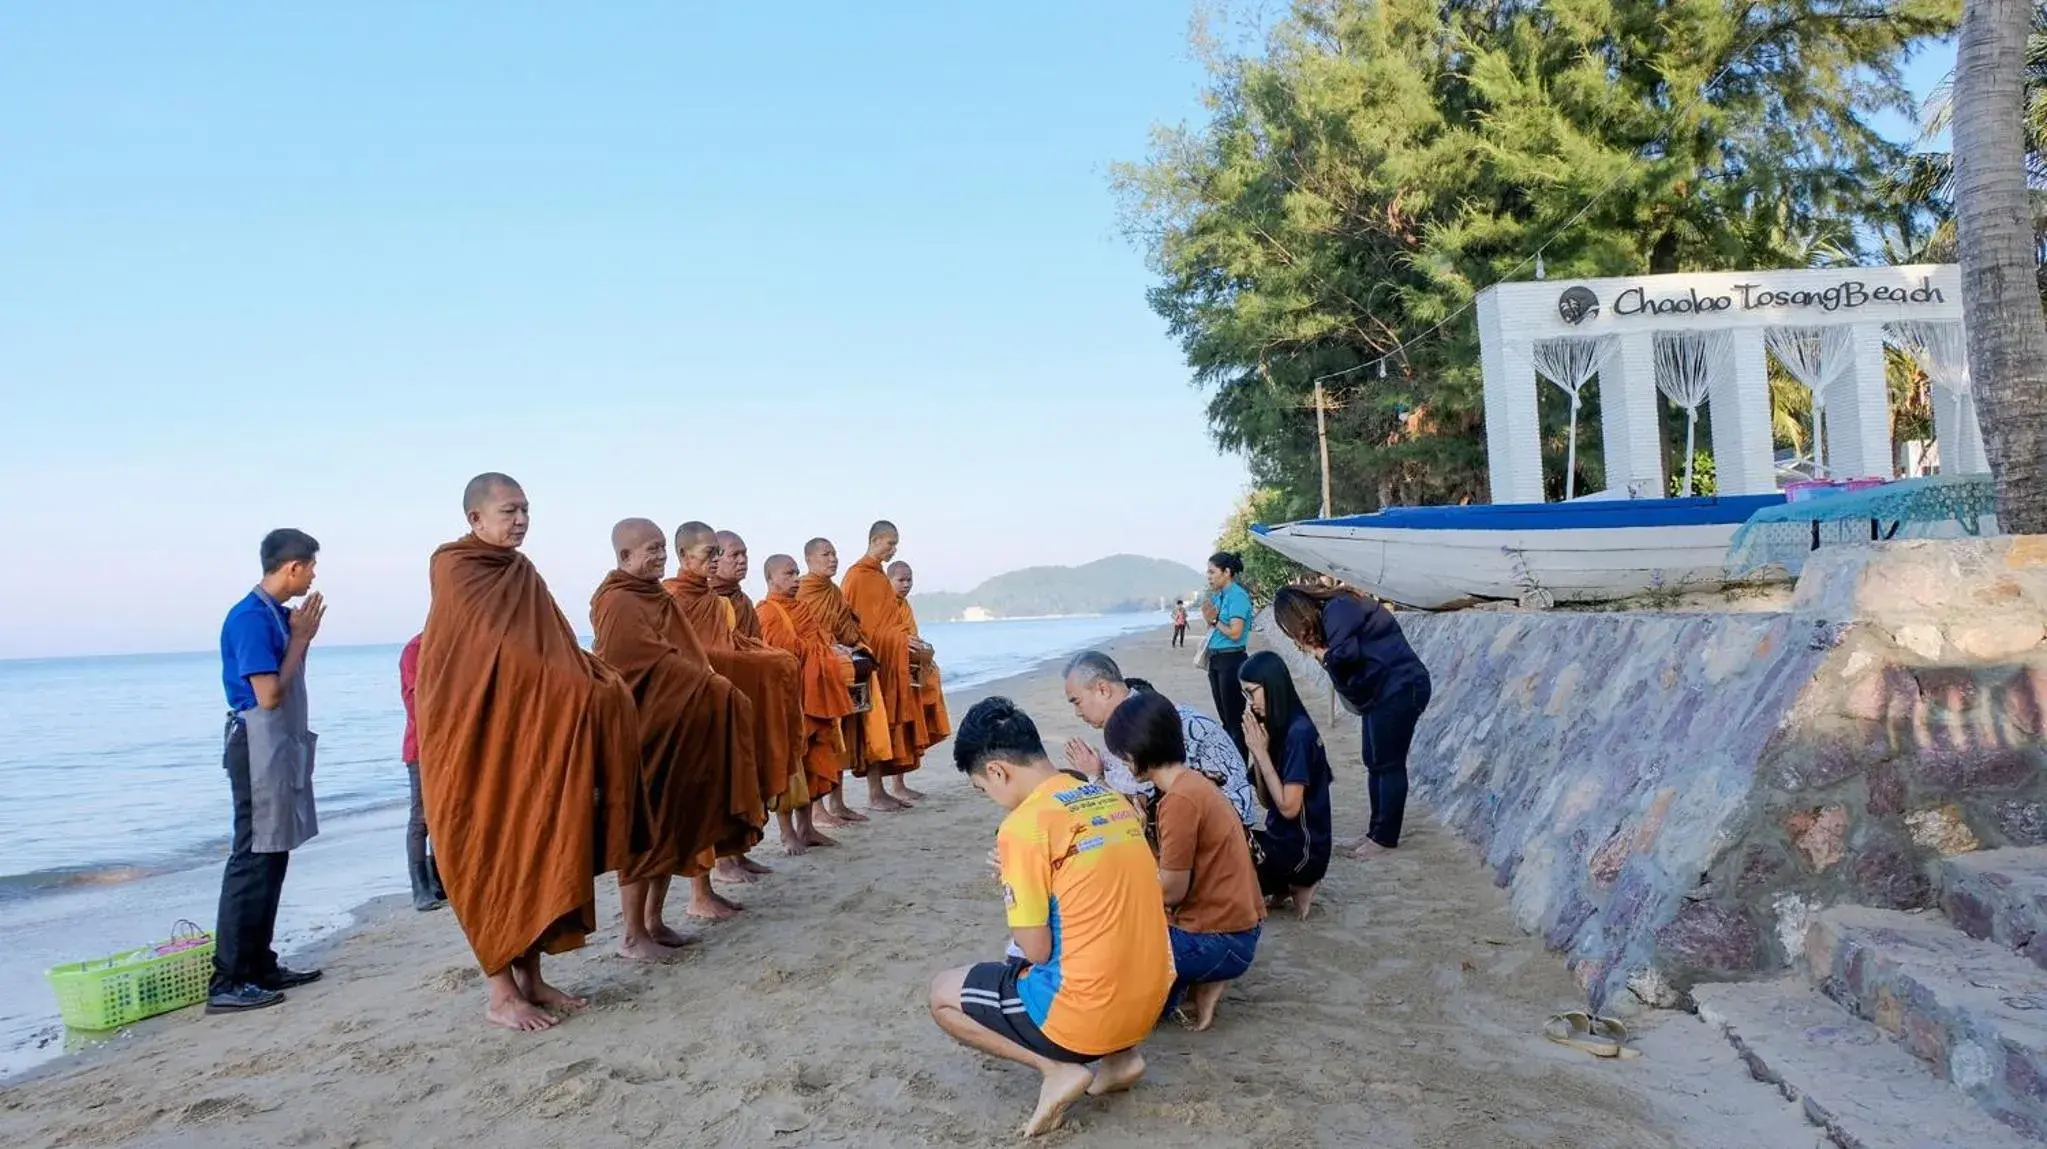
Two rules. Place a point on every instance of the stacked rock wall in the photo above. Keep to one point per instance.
(1668, 797)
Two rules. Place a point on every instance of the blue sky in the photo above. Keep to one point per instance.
(786, 268)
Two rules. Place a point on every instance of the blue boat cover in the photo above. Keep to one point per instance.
(1592, 515)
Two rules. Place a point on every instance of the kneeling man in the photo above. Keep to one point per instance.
(1082, 894)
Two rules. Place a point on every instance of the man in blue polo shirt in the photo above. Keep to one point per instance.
(269, 762)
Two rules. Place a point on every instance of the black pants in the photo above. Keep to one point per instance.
(1223, 666)
(426, 877)
(1180, 635)
(1388, 732)
(249, 888)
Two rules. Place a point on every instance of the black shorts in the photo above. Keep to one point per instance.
(990, 997)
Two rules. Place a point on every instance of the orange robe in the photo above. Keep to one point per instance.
(820, 601)
(767, 677)
(745, 619)
(878, 609)
(529, 757)
(828, 678)
(931, 690)
(696, 730)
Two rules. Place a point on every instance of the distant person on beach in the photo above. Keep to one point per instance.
(1081, 893)
(866, 735)
(696, 743)
(828, 679)
(874, 602)
(923, 660)
(769, 679)
(1180, 624)
(268, 757)
(1227, 608)
(1213, 906)
(1095, 687)
(427, 893)
(529, 756)
(1293, 781)
(1378, 675)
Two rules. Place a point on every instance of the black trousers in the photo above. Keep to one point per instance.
(1388, 733)
(1223, 666)
(249, 888)
(1180, 635)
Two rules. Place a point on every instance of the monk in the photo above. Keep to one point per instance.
(930, 691)
(696, 738)
(768, 678)
(824, 606)
(726, 574)
(529, 758)
(828, 680)
(880, 614)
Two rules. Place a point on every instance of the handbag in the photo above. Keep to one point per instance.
(1201, 657)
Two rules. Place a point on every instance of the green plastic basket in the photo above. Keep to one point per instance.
(125, 988)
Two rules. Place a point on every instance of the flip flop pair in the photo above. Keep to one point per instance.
(1602, 1037)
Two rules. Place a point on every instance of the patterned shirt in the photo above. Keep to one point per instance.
(1209, 752)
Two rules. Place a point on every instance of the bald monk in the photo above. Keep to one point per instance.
(727, 573)
(529, 758)
(875, 605)
(696, 739)
(930, 690)
(828, 680)
(769, 679)
(823, 604)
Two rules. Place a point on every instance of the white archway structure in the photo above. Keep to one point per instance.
(1839, 316)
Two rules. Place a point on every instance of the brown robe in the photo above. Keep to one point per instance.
(828, 679)
(878, 608)
(765, 675)
(529, 757)
(696, 730)
(745, 619)
(823, 605)
(931, 689)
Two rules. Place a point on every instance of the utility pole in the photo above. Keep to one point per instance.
(1322, 441)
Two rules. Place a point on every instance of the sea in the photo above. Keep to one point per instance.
(115, 817)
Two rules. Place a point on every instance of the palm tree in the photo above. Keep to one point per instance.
(2000, 256)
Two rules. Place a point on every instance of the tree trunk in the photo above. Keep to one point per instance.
(2000, 288)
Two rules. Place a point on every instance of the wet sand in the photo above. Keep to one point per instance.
(1407, 1011)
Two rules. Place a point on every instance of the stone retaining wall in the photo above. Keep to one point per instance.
(1669, 797)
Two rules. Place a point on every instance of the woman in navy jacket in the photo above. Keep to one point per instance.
(1377, 674)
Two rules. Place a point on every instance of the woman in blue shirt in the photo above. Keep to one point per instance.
(1227, 606)
(1378, 675)
(1293, 777)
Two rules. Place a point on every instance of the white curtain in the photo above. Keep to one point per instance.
(1570, 363)
(1942, 351)
(1686, 365)
(1815, 356)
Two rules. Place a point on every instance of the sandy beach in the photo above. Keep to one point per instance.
(1407, 1011)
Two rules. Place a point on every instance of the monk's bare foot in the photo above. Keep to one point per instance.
(711, 909)
(793, 844)
(674, 938)
(1063, 1086)
(818, 839)
(887, 805)
(1206, 995)
(753, 867)
(827, 820)
(848, 815)
(516, 1013)
(729, 870)
(646, 950)
(908, 795)
(1368, 849)
(1304, 900)
(547, 997)
(1118, 1072)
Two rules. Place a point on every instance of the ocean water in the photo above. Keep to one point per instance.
(114, 813)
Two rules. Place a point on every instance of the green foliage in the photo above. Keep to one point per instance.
(1265, 569)
(1370, 165)
(1703, 481)
(1119, 584)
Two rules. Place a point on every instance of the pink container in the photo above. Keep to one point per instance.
(1864, 484)
(1805, 490)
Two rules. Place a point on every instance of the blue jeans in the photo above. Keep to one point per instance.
(1202, 958)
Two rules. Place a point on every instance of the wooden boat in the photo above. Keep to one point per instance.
(1538, 554)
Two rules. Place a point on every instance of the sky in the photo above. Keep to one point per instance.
(785, 268)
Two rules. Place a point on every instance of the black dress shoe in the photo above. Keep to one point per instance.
(242, 998)
(285, 977)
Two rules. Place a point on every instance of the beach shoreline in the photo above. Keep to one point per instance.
(1408, 1011)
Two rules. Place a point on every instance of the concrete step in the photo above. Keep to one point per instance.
(1999, 896)
(1974, 1010)
(1854, 1082)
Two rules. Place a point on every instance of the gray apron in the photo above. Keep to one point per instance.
(281, 816)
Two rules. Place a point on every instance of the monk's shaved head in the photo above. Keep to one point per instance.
(631, 534)
(729, 540)
(815, 547)
(898, 568)
(777, 564)
(483, 486)
(640, 548)
(883, 529)
(694, 534)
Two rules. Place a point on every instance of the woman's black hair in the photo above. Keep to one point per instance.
(1145, 731)
(1282, 703)
(1226, 562)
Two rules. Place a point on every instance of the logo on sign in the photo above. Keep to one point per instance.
(1577, 305)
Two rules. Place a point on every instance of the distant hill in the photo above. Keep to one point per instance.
(1119, 584)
